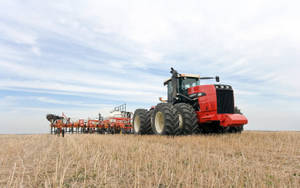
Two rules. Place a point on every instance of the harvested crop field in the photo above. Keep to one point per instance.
(250, 159)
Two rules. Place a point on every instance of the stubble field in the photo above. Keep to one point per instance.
(250, 159)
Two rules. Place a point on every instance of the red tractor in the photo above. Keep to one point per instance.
(191, 108)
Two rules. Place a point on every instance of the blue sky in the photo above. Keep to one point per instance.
(85, 57)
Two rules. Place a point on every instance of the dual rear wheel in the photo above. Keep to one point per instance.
(166, 119)
(141, 122)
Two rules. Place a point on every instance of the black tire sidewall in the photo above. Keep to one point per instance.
(145, 125)
(189, 118)
(170, 119)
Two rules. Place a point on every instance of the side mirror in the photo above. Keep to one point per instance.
(217, 79)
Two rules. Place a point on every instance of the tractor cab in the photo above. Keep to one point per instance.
(179, 84)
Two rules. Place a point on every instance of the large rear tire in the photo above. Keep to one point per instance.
(141, 122)
(164, 119)
(188, 122)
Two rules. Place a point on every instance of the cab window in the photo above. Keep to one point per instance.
(189, 82)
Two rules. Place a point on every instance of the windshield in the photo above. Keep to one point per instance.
(183, 83)
(188, 82)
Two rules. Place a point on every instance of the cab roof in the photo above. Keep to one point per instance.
(183, 75)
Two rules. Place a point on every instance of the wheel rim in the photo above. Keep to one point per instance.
(180, 120)
(159, 122)
(137, 124)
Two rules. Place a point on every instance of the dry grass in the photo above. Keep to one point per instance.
(250, 159)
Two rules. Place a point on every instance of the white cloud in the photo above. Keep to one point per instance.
(19, 37)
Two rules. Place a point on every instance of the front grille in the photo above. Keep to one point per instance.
(225, 101)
